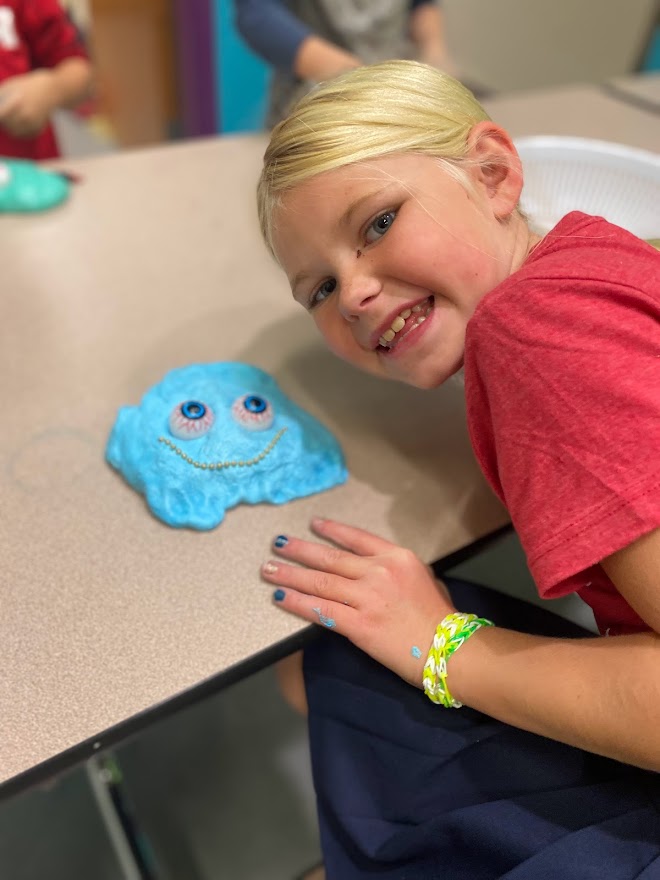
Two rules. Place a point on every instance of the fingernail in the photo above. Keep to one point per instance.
(281, 541)
(269, 568)
(278, 595)
(317, 521)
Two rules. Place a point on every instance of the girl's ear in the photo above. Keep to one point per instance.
(497, 166)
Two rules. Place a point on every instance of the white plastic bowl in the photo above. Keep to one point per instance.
(565, 174)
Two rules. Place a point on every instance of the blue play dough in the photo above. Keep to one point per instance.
(27, 188)
(182, 445)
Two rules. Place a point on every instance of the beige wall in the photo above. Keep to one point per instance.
(517, 44)
(132, 42)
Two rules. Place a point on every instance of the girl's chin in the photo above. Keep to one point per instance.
(428, 377)
(428, 384)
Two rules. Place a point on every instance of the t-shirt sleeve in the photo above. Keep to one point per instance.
(271, 30)
(567, 387)
(49, 33)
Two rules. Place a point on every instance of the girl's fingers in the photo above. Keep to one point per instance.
(331, 615)
(319, 585)
(321, 557)
(356, 540)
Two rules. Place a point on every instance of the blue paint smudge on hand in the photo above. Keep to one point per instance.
(326, 621)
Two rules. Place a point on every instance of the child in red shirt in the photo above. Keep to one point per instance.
(43, 66)
(390, 199)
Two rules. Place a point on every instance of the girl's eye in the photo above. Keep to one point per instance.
(322, 292)
(379, 226)
(190, 419)
(253, 412)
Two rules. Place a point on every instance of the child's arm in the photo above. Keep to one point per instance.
(602, 695)
(281, 39)
(27, 100)
(318, 60)
(427, 33)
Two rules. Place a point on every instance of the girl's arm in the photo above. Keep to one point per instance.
(602, 695)
(599, 694)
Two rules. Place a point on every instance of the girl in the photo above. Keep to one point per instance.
(390, 199)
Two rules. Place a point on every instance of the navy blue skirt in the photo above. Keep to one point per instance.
(409, 790)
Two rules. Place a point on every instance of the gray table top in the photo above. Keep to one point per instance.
(156, 262)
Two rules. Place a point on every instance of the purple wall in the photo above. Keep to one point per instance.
(194, 28)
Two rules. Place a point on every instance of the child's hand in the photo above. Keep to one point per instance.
(380, 596)
(26, 102)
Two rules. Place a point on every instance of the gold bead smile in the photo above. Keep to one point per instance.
(219, 465)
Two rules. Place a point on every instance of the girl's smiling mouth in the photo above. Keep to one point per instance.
(403, 325)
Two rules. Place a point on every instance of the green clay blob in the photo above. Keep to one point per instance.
(26, 188)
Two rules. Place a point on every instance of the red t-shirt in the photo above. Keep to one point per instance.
(562, 373)
(34, 34)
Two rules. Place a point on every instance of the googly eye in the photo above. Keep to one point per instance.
(190, 419)
(253, 412)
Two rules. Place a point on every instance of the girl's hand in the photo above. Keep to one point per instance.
(380, 596)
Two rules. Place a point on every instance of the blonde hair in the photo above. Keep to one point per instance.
(364, 114)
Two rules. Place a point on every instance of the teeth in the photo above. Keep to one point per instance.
(400, 322)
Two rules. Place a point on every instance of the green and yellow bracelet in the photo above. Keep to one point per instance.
(451, 633)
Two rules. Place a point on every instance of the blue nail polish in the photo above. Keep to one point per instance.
(281, 541)
(278, 595)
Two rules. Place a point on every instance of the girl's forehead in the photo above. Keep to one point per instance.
(381, 167)
(337, 183)
(335, 191)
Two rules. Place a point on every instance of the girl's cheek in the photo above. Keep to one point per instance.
(331, 333)
(339, 339)
(340, 342)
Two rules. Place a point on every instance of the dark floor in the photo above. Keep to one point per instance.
(221, 790)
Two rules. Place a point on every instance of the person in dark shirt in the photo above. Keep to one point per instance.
(308, 41)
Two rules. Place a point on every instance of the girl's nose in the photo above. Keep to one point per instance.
(358, 290)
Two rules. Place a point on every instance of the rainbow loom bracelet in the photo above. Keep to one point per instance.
(449, 636)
